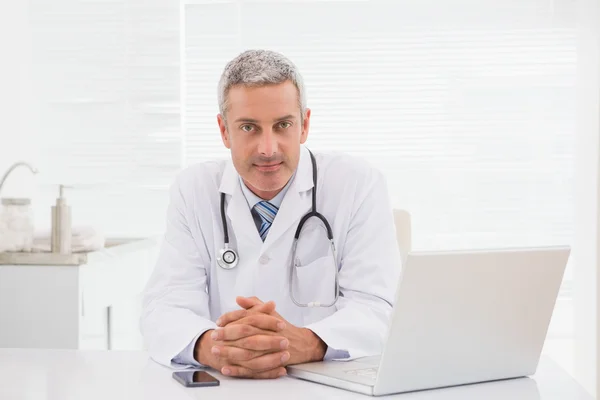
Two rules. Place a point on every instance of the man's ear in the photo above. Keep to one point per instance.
(223, 129)
(305, 127)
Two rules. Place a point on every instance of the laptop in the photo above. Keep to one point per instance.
(460, 317)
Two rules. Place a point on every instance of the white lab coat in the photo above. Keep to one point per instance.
(188, 291)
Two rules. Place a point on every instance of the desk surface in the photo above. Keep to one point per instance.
(110, 375)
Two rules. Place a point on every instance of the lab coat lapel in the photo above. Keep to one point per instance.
(242, 227)
(296, 203)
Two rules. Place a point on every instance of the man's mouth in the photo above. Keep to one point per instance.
(268, 167)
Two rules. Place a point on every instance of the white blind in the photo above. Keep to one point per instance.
(467, 106)
(105, 109)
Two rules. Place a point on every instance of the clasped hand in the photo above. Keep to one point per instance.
(256, 342)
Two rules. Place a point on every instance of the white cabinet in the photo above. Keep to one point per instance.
(95, 305)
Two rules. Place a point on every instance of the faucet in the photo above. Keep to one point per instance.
(13, 167)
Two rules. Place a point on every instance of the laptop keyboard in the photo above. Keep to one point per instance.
(365, 372)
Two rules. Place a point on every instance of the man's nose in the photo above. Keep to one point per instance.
(267, 146)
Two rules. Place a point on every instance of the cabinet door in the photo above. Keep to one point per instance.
(93, 327)
(111, 296)
(124, 324)
(39, 306)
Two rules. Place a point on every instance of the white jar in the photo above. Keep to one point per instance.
(16, 225)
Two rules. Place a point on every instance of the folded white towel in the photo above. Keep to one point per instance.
(83, 239)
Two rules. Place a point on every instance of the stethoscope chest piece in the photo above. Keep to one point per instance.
(227, 259)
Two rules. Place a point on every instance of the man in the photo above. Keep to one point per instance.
(246, 317)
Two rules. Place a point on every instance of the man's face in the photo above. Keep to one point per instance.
(264, 132)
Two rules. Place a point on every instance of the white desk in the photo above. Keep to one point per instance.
(110, 375)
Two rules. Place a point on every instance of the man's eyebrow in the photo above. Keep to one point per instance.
(254, 121)
(289, 116)
(244, 119)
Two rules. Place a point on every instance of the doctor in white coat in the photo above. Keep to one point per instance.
(247, 318)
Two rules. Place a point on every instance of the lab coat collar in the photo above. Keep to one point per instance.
(304, 174)
(229, 181)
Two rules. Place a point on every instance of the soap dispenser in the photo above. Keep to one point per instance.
(61, 225)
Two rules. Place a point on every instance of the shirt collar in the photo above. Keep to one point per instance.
(253, 199)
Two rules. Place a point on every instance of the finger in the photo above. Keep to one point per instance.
(262, 363)
(254, 303)
(239, 331)
(235, 355)
(262, 321)
(267, 361)
(247, 302)
(266, 308)
(237, 352)
(260, 343)
(258, 320)
(242, 372)
(247, 327)
(233, 316)
(235, 332)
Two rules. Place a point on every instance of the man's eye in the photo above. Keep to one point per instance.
(247, 128)
(284, 125)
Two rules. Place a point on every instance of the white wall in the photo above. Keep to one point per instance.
(15, 87)
(585, 250)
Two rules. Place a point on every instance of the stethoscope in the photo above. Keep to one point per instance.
(228, 257)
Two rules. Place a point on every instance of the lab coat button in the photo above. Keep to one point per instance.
(264, 259)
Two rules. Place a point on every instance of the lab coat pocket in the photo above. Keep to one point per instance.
(315, 282)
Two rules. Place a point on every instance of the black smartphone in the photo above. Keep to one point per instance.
(195, 378)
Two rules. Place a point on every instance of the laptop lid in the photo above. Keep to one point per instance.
(470, 316)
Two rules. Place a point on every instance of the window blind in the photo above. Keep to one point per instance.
(105, 110)
(466, 106)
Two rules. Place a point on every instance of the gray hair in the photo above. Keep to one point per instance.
(254, 68)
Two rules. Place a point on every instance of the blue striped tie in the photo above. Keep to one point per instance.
(266, 212)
